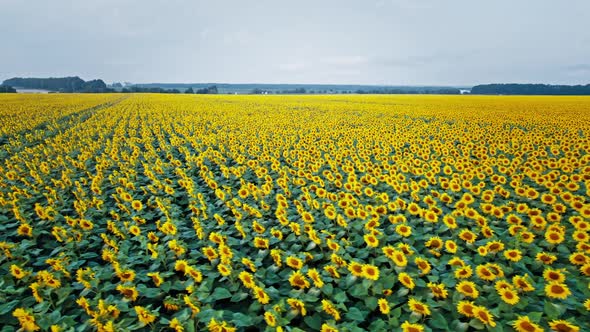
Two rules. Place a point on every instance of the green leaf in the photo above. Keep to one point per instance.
(309, 298)
(328, 289)
(439, 321)
(497, 328)
(44, 323)
(165, 286)
(315, 321)
(356, 315)
(89, 255)
(353, 328)
(358, 291)
(220, 293)
(420, 283)
(340, 297)
(562, 249)
(7, 307)
(177, 285)
(378, 288)
(239, 297)
(151, 293)
(54, 317)
(535, 316)
(378, 325)
(241, 320)
(397, 312)
(350, 281)
(393, 321)
(459, 326)
(554, 311)
(206, 315)
(476, 324)
(371, 303)
(190, 325)
(388, 281)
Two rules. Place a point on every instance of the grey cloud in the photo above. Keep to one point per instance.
(330, 41)
(580, 71)
(579, 67)
(344, 60)
(292, 66)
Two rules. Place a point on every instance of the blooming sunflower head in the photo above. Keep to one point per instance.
(418, 307)
(524, 324)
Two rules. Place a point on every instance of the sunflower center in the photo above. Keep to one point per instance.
(527, 326)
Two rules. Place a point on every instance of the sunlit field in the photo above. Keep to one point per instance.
(294, 213)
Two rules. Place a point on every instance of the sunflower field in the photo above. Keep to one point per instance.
(294, 213)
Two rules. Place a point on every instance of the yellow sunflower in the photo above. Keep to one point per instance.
(418, 307)
(466, 308)
(297, 305)
(406, 280)
(509, 295)
(270, 319)
(330, 309)
(483, 315)
(370, 272)
(410, 327)
(467, 288)
(438, 290)
(554, 275)
(557, 290)
(513, 255)
(563, 326)
(144, 316)
(524, 324)
(356, 269)
(383, 306)
(298, 280)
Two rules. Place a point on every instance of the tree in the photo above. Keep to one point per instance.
(94, 86)
(530, 89)
(60, 84)
(212, 90)
(189, 90)
(7, 89)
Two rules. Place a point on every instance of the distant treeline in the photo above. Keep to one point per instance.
(136, 89)
(441, 91)
(530, 89)
(382, 91)
(262, 88)
(210, 90)
(7, 89)
(59, 84)
(76, 84)
(297, 91)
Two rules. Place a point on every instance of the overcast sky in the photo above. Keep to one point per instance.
(398, 42)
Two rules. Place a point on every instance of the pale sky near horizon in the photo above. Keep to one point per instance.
(384, 42)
